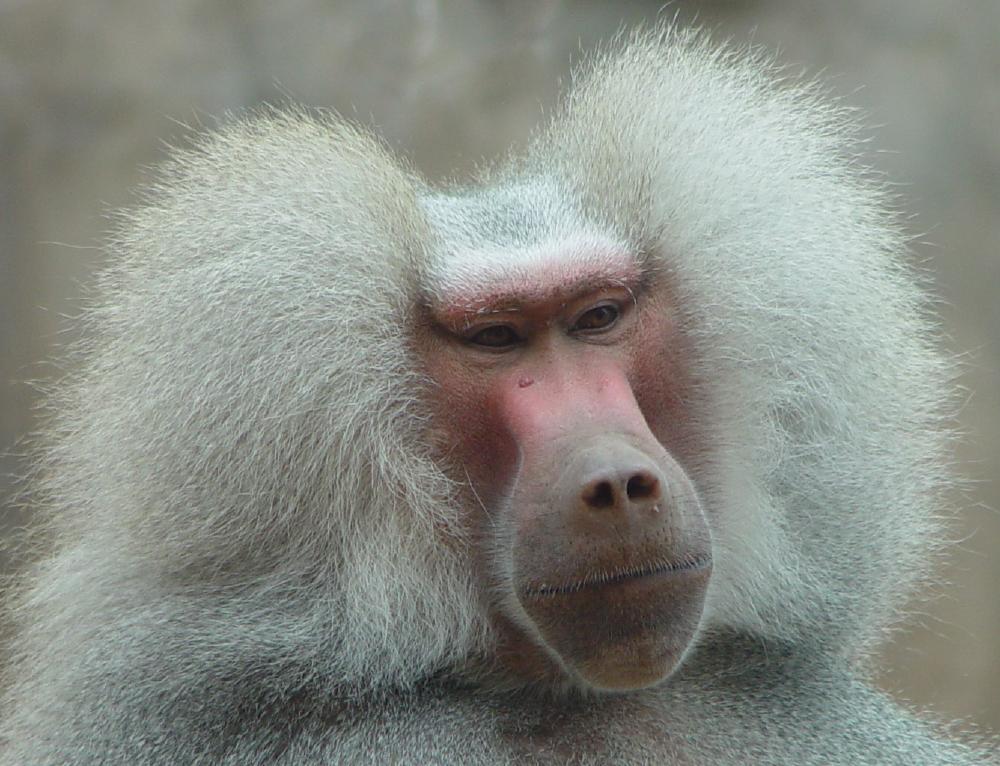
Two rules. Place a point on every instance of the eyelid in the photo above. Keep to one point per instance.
(470, 333)
(471, 328)
(619, 307)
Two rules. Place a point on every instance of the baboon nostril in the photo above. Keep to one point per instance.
(642, 486)
(609, 493)
(599, 494)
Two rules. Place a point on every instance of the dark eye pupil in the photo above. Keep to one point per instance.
(597, 318)
(495, 336)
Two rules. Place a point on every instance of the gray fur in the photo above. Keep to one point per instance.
(253, 557)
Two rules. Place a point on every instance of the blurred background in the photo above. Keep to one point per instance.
(91, 90)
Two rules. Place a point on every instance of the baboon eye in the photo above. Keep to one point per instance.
(495, 336)
(596, 319)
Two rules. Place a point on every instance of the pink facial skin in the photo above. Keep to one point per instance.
(557, 400)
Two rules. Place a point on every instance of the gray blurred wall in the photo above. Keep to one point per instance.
(89, 91)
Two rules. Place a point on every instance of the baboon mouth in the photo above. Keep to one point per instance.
(602, 579)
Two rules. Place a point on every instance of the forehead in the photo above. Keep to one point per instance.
(516, 244)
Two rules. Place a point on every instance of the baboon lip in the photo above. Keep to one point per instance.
(602, 579)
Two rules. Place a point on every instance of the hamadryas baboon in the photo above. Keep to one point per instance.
(623, 454)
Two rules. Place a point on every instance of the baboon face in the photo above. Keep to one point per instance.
(594, 547)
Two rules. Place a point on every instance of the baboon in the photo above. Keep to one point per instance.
(627, 452)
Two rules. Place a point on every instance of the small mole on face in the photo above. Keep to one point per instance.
(525, 382)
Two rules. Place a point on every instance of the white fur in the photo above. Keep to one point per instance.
(243, 504)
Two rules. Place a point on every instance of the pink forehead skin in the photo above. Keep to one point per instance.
(548, 280)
